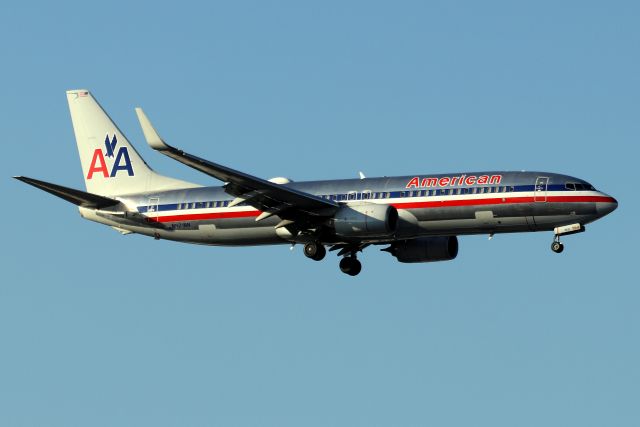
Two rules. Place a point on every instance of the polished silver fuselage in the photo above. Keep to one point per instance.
(517, 202)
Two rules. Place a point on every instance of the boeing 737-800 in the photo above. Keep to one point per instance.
(417, 217)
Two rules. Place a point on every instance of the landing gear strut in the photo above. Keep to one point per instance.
(556, 246)
(315, 251)
(350, 265)
(564, 230)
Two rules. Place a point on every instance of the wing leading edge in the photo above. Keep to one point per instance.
(271, 198)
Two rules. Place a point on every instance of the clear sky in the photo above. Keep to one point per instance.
(107, 330)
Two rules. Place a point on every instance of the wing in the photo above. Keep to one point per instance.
(271, 198)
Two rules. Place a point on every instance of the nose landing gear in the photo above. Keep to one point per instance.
(564, 230)
(556, 246)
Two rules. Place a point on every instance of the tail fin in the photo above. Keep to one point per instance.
(110, 164)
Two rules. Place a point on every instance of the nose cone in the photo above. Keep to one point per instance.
(608, 205)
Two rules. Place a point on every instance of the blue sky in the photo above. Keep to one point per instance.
(102, 329)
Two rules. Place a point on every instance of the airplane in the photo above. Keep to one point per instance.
(417, 217)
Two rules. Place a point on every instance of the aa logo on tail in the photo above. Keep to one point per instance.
(121, 162)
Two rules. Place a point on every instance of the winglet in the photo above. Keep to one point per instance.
(150, 134)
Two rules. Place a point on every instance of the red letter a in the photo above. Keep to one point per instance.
(98, 157)
(415, 182)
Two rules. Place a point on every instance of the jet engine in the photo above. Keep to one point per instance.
(365, 220)
(425, 249)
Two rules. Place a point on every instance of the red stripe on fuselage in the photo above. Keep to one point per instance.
(203, 216)
(504, 200)
(410, 205)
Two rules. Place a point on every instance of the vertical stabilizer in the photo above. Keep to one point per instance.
(110, 164)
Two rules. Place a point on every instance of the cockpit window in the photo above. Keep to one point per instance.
(577, 186)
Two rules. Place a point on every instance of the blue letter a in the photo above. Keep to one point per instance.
(122, 152)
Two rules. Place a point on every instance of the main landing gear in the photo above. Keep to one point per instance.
(348, 265)
(315, 251)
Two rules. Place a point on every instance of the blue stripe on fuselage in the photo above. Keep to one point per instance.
(407, 193)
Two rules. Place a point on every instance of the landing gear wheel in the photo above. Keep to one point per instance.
(315, 251)
(350, 265)
(557, 247)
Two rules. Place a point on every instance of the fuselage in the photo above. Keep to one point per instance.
(428, 205)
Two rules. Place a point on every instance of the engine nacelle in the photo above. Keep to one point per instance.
(425, 249)
(365, 220)
(280, 180)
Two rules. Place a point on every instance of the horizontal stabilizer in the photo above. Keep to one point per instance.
(77, 197)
